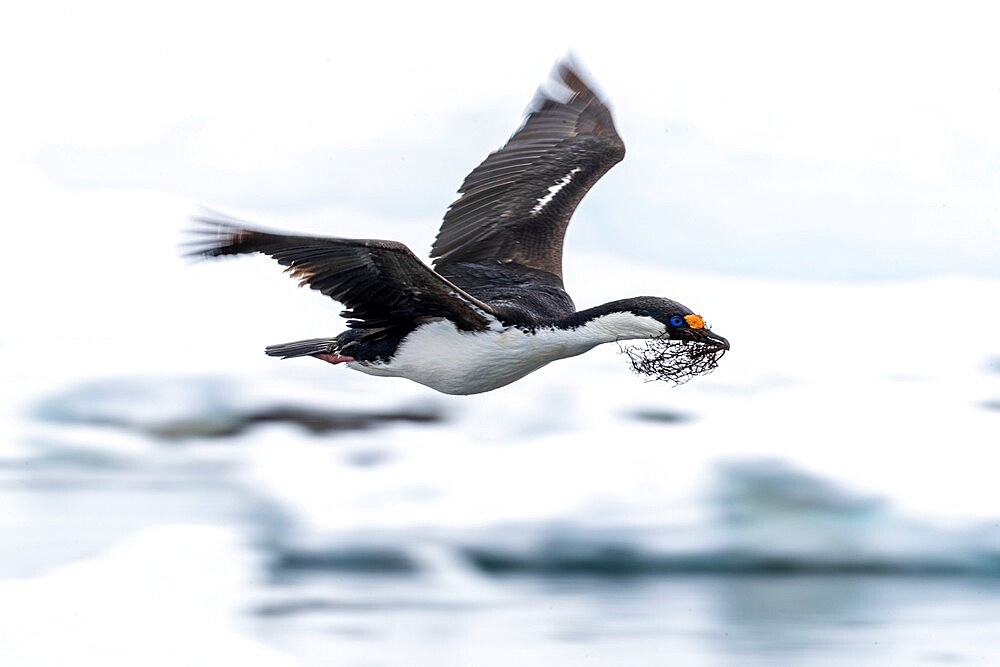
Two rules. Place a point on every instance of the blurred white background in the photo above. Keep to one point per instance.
(822, 182)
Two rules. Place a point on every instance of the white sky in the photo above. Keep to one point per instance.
(849, 99)
(760, 75)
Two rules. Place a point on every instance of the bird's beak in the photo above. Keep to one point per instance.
(706, 336)
(722, 343)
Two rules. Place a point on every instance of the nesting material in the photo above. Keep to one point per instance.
(674, 361)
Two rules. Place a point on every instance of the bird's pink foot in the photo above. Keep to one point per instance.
(333, 358)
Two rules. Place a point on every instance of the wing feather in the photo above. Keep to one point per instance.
(381, 283)
(514, 207)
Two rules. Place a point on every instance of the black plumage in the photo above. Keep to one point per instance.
(499, 249)
(506, 214)
(382, 283)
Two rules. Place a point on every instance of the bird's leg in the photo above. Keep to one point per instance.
(333, 358)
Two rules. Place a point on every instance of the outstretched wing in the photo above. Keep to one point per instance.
(515, 206)
(382, 283)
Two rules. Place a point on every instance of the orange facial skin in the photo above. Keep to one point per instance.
(695, 321)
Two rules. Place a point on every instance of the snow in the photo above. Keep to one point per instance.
(168, 595)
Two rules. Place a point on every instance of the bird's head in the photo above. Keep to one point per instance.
(676, 321)
(680, 348)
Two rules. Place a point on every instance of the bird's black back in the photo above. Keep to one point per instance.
(518, 295)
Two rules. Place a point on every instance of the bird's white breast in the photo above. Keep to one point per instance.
(451, 361)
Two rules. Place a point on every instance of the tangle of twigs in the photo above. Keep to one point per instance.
(674, 361)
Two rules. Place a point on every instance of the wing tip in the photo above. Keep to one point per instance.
(213, 234)
(568, 82)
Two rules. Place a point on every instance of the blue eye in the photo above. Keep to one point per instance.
(676, 321)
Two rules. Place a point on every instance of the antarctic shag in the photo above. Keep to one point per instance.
(493, 309)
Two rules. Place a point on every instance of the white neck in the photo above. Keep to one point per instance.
(619, 326)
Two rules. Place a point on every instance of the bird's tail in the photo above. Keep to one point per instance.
(303, 348)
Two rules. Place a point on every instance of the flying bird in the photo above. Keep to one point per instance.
(493, 308)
